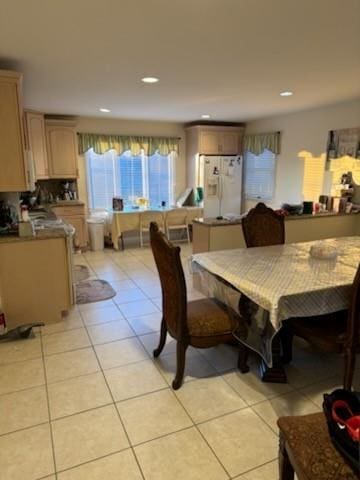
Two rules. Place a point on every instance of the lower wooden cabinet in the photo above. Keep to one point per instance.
(75, 216)
(35, 279)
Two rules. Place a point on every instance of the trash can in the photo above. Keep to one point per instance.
(96, 233)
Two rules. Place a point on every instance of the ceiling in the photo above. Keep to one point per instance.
(226, 58)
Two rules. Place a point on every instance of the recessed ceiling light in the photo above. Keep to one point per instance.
(104, 110)
(205, 115)
(150, 80)
(286, 93)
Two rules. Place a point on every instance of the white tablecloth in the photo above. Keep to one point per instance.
(284, 280)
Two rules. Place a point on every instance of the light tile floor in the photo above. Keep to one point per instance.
(85, 400)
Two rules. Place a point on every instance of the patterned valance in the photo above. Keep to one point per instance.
(345, 142)
(256, 143)
(102, 143)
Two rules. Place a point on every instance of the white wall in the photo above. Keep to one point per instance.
(133, 127)
(304, 131)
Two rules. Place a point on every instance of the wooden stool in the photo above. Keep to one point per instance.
(307, 450)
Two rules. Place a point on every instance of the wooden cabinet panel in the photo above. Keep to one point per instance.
(62, 151)
(68, 210)
(209, 143)
(75, 216)
(35, 125)
(35, 280)
(230, 143)
(79, 223)
(214, 140)
(14, 175)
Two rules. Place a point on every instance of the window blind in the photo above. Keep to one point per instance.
(160, 179)
(314, 169)
(260, 175)
(129, 176)
(101, 179)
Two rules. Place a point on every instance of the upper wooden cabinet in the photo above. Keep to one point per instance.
(62, 149)
(214, 140)
(35, 128)
(14, 176)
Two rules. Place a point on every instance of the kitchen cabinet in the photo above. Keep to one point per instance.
(219, 142)
(75, 216)
(214, 139)
(61, 149)
(15, 175)
(35, 128)
(36, 283)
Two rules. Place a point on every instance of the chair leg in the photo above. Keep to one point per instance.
(349, 359)
(162, 341)
(180, 365)
(141, 238)
(122, 242)
(286, 471)
(188, 233)
(286, 339)
(242, 359)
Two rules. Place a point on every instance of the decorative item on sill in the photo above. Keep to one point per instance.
(142, 202)
(118, 204)
(199, 195)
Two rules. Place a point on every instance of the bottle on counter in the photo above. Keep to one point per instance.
(25, 213)
(3, 328)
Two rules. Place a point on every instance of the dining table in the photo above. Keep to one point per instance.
(280, 282)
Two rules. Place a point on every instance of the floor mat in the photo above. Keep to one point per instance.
(89, 291)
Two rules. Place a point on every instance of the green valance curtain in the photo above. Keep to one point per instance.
(257, 142)
(102, 143)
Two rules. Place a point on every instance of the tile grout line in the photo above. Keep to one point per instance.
(255, 468)
(48, 406)
(118, 414)
(201, 435)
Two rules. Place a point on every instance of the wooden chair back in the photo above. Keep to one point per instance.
(172, 279)
(263, 227)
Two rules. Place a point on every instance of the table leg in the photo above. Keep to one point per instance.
(275, 374)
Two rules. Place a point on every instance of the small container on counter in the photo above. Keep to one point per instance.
(26, 229)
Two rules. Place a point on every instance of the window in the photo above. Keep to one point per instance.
(160, 179)
(260, 175)
(129, 176)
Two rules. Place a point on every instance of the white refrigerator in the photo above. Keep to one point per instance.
(221, 180)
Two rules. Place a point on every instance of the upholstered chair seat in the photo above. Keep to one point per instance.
(306, 448)
(208, 317)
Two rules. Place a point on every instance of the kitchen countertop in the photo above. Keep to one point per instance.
(43, 234)
(66, 203)
(213, 222)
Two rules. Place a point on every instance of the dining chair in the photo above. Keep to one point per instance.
(146, 218)
(338, 332)
(263, 227)
(176, 219)
(305, 448)
(200, 323)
